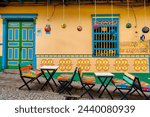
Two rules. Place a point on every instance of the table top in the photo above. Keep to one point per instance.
(105, 74)
(49, 67)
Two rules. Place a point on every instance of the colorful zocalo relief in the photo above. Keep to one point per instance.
(84, 64)
(65, 64)
(121, 64)
(140, 65)
(102, 65)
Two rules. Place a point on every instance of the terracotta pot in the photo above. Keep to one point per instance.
(47, 28)
(79, 28)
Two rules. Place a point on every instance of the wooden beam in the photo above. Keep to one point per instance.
(5, 0)
(21, 1)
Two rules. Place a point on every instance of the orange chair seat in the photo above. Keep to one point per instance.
(88, 79)
(32, 73)
(64, 77)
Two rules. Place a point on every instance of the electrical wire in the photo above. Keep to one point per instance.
(79, 11)
(95, 10)
(47, 11)
(145, 11)
(134, 17)
(128, 10)
(63, 10)
(112, 12)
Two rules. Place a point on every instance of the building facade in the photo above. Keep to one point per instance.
(111, 47)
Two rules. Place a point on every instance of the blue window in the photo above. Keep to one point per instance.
(105, 38)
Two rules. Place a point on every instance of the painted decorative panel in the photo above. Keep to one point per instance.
(24, 53)
(27, 24)
(27, 44)
(16, 53)
(140, 65)
(46, 62)
(30, 34)
(10, 53)
(84, 64)
(16, 34)
(30, 53)
(10, 34)
(102, 65)
(121, 64)
(13, 63)
(13, 44)
(65, 64)
(13, 24)
(139, 47)
(24, 34)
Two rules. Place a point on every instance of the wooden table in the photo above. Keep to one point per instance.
(51, 70)
(107, 76)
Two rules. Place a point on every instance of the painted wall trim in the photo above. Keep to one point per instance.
(105, 15)
(7, 17)
(18, 16)
(88, 56)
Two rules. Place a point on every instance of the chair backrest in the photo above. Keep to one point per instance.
(74, 73)
(132, 80)
(129, 78)
(24, 67)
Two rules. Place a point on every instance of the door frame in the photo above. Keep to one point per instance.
(12, 17)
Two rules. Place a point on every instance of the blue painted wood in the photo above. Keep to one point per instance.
(24, 34)
(105, 15)
(19, 16)
(34, 49)
(106, 37)
(4, 44)
(14, 17)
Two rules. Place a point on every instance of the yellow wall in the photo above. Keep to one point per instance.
(69, 40)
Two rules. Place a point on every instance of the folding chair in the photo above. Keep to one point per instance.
(142, 87)
(87, 82)
(65, 81)
(131, 83)
(27, 72)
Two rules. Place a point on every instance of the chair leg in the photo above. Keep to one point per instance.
(115, 90)
(146, 97)
(54, 82)
(135, 90)
(125, 96)
(65, 88)
(38, 81)
(62, 85)
(26, 83)
(88, 90)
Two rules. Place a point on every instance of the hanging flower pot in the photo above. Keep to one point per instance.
(63, 26)
(95, 26)
(142, 37)
(145, 29)
(79, 28)
(47, 28)
(128, 25)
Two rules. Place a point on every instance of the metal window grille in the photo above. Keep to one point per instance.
(106, 36)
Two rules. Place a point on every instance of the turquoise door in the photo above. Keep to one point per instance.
(20, 43)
